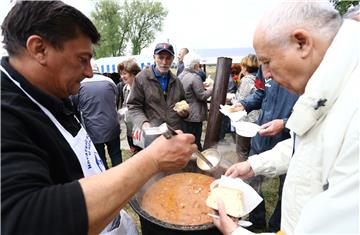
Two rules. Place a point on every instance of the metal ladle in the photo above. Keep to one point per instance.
(171, 132)
(168, 132)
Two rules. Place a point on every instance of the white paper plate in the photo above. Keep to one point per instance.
(235, 116)
(250, 197)
(230, 96)
(246, 129)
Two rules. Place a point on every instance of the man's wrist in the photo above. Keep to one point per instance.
(285, 121)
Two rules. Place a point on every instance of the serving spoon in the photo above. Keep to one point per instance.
(168, 132)
(242, 223)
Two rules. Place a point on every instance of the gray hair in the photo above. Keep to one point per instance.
(191, 59)
(318, 17)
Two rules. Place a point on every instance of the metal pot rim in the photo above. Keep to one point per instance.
(136, 207)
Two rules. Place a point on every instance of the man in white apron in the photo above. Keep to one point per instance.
(52, 179)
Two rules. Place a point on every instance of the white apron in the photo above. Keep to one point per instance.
(88, 157)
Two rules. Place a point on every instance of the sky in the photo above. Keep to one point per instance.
(195, 24)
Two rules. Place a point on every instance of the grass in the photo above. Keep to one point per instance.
(270, 192)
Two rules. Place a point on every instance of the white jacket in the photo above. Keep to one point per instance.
(321, 190)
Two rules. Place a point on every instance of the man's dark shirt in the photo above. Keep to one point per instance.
(40, 193)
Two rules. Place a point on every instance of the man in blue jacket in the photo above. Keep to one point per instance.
(96, 106)
(276, 105)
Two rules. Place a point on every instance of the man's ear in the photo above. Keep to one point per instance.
(36, 47)
(304, 41)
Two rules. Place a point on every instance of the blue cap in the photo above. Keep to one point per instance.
(164, 47)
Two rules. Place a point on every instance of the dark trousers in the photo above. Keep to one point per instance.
(194, 128)
(225, 126)
(113, 149)
(242, 147)
(134, 149)
(257, 216)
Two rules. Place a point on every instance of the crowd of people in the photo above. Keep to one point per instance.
(59, 115)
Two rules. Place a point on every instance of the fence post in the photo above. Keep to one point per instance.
(223, 69)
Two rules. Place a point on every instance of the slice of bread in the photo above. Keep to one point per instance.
(232, 198)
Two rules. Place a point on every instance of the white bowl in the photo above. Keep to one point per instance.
(246, 129)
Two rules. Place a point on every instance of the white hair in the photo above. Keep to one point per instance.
(319, 17)
(191, 59)
(353, 12)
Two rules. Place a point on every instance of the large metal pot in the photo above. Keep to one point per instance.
(151, 225)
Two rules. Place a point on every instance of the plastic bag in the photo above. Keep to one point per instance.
(138, 137)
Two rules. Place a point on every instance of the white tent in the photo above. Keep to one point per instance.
(208, 56)
(109, 64)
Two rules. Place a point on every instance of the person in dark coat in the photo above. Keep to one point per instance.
(196, 96)
(181, 67)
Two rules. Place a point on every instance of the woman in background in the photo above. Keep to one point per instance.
(127, 70)
(249, 68)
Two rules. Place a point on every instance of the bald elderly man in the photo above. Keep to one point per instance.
(310, 50)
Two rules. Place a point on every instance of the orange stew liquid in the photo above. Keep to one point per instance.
(179, 199)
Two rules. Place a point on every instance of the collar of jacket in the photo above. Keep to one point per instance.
(53, 104)
(158, 75)
(328, 81)
(152, 74)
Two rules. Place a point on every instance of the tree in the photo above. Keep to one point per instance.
(343, 6)
(135, 22)
(113, 25)
(148, 17)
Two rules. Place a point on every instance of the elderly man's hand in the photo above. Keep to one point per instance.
(174, 153)
(224, 223)
(242, 170)
(272, 128)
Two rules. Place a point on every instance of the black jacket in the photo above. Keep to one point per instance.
(40, 193)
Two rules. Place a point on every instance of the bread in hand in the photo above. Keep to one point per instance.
(181, 106)
(232, 109)
(232, 198)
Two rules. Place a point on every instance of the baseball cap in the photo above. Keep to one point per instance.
(164, 47)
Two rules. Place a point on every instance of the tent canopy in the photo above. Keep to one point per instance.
(208, 57)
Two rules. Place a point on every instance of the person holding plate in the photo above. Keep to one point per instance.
(298, 43)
